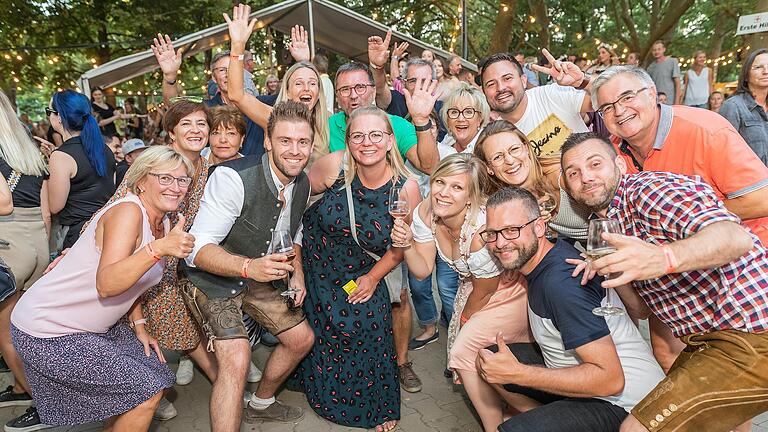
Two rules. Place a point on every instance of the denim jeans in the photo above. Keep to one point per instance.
(424, 301)
(559, 413)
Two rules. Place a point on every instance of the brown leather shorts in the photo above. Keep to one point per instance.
(719, 381)
(222, 318)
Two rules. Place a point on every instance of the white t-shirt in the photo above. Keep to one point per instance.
(552, 115)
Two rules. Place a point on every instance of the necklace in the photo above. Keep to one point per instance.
(450, 233)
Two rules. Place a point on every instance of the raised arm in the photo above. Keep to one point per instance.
(713, 246)
(170, 62)
(394, 63)
(420, 105)
(239, 32)
(568, 74)
(378, 53)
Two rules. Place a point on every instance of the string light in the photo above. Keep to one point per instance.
(578, 36)
(532, 19)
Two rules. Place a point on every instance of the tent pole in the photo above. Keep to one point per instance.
(464, 39)
(311, 29)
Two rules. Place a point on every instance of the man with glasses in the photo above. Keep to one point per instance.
(547, 114)
(698, 269)
(682, 140)
(355, 88)
(587, 371)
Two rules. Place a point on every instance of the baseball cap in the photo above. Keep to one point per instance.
(133, 144)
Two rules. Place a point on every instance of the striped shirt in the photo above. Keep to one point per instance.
(661, 208)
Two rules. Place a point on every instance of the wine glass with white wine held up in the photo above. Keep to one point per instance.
(597, 248)
(398, 206)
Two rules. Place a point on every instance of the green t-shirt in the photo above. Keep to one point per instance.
(405, 133)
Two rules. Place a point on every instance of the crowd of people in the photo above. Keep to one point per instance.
(311, 217)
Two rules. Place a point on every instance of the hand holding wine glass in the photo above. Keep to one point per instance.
(398, 208)
(282, 243)
(597, 247)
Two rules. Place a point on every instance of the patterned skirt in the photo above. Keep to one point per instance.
(86, 377)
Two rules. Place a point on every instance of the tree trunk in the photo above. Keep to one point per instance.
(502, 29)
(539, 9)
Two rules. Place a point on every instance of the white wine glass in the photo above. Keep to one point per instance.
(282, 243)
(597, 248)
(398, 207)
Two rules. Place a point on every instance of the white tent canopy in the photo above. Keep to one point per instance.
(330, 25)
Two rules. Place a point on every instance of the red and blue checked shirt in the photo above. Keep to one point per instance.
(662, 208)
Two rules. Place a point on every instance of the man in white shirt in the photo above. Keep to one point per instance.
(547, 115)
(234, 266)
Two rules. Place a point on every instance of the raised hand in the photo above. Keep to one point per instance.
(422, 101)
(239, 27)
(564, 73)
(168, 59)
(399, 49)
(177, 242)
(378, 50)
(299, 45)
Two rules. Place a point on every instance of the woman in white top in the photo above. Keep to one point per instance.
(698, 81)
(487, 302)
(82, 362)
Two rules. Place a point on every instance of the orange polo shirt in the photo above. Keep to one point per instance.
(695, 141)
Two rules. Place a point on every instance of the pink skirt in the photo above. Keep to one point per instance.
(505, 312)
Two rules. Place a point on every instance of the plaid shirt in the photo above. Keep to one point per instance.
(662, 208)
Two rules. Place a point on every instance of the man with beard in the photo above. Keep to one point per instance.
(698, 270)
(547, 114)
(597, 368)
(232, 263)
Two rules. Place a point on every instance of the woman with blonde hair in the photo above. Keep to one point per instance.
(511, 161)
(346, 247)
(606, 57)
(25, 229)
(84, 363)
(487, 303)
(301, 82)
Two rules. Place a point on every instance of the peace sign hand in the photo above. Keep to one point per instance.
(564, 73)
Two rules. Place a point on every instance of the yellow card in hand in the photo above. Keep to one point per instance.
(349, 287)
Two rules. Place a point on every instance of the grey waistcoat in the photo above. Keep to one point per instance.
(252, 231)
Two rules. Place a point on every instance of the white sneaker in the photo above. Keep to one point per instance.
(254, 374)
(165, 411)
(246, 398)
(185, 372)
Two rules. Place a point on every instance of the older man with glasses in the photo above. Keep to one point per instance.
(682, 140)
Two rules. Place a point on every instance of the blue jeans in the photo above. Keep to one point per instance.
(424, 301)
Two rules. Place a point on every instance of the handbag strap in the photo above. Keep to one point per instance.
(353, 226)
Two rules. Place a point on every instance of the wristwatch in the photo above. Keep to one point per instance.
(425, 127)
(584, 81)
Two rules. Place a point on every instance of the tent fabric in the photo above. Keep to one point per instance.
(336, 29)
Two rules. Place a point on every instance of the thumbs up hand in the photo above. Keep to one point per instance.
(177, 242)
(501, 367)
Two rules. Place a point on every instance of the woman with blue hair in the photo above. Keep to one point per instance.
(82, 170)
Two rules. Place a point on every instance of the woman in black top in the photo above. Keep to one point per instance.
(25, 229)
(82, 169)
(106, 113)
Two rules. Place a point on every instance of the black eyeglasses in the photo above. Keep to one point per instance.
(468, 113)
(50, 111)
(374, 136)
(360, 89)
(509, 233)
(623, 100)
(167, 179)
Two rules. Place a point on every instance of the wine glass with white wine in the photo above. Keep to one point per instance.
(597, 248)
(398, 207)
(282, 243)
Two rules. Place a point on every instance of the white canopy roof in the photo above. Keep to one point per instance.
(330, 25)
